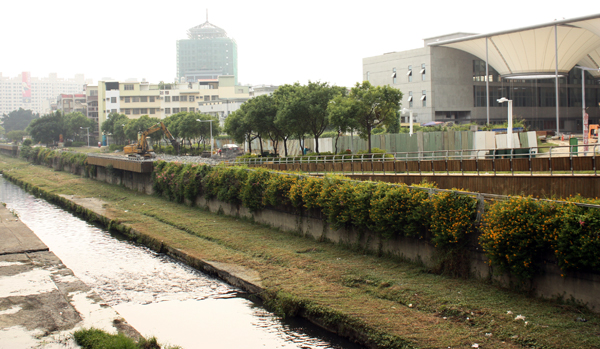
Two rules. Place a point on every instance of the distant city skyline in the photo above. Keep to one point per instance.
(278, 42)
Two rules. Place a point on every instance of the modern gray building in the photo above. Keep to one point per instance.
(446, 79)
(206, 54)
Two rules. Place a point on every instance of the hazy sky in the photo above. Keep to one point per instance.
(279, 42)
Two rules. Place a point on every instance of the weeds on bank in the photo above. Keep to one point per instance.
(98, 339)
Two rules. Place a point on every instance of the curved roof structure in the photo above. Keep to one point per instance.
(535, 50)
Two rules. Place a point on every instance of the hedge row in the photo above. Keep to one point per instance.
(48, 157)
(516, 234)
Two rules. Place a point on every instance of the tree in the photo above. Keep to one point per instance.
(18, 119)
(306, 108)
(370, 106)
(16, 135)
(286, 126)
(262, 116)
(47, 129)
(74, 122)
(115, 125)
(141, 124)
(237, 126)
(202, 130)
(341, 115)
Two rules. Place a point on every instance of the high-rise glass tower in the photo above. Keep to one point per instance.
(207, 53)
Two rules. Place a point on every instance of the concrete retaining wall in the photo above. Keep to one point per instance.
(582, 287)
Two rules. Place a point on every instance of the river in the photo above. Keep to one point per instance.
(157, 295)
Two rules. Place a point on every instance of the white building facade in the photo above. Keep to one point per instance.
(36, 94)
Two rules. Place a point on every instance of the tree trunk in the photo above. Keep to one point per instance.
(261, 145)
(369, 138)
(336, 142)
(316, 144)
(249, 144)
(285, 147)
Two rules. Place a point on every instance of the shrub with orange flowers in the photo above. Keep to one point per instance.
(515, 234)
(452, 218)
(254, 187)
(346, 203)
(277, 191)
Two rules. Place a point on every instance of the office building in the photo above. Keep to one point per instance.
(206, 54)
(446, 80)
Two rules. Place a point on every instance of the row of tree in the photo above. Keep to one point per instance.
(48, 128)
(296, 111)
(183, 126)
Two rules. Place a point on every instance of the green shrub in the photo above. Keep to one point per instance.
(115, 147)
(400, 211)
(27, 142)
(254, 188)
(576, 241)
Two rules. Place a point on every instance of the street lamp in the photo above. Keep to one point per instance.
(211, 136)
(509, 129)
(410, 116)
(88, 134)
(584, 115)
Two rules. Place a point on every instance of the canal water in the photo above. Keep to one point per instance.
(157, 295)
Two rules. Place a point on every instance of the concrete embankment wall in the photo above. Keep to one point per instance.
(582, 287)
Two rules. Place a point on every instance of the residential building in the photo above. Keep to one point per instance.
(217, 97)
(207, 54)
(71, 103)
(36, 94)
(446, 80)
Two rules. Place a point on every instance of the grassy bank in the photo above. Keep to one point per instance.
(392, 304)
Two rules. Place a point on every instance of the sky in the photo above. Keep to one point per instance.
(279, 42)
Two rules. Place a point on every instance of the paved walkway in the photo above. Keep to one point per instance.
(41, 302)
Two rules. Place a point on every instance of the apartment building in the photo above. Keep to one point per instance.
(37, 94)
(135, 99)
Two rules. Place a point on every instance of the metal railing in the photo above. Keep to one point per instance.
(431, 157)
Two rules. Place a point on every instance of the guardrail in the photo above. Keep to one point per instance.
(568, 158)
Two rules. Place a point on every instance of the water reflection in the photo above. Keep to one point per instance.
(156, 295)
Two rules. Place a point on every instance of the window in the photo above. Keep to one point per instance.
(167, 110)
(214, 98)
(192, 98)
(424, 97)
(144, 99)
(93, 92)
(206, 98)
(409, 73)
(423, 72)
(175, 99)
(136, 111)
(126, 111)
(175, 110)
(152, 111)
(144, 111)
(184, 109)
(410, 99)
(135, 99)
(183, 98)
(113, 99)
(128, 87)
(368, 76)
(127, 99)
(394, 75)
(113, 110)
(167, 98)
(151, 98)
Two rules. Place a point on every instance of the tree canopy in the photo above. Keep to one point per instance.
(47, 129)
(18, 119)
(367, 107)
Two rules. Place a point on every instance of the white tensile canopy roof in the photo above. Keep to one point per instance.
(535, 50)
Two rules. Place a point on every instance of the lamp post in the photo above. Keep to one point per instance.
(509, 129)
(584, 115)
(88, 134)
(410, 116)
(211, 135)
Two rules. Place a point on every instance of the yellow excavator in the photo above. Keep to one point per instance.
(142, 149)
